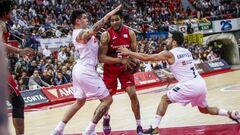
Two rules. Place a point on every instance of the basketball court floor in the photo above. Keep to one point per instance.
(223, 91)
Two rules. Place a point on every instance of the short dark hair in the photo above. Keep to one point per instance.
(178, 37)
(5, 7)
(119, 13)
(76, 14)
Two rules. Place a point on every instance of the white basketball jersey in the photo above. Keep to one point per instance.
(87, 53)
(183, 69)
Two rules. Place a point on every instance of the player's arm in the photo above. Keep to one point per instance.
(133, 41)
(86, 34)
(103, 49)
(11, 49)
(164, 55)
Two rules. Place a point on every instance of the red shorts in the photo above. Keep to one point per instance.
(112, 72)
(12, 85)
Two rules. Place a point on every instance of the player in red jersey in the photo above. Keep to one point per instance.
(14, 95)
(114, 68)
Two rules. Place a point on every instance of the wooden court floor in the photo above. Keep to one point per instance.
(223, 91)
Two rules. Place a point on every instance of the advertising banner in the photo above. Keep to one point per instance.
(60, 92)
(226, 25)
(205, 26)
(156, 35)
(219, 64)
(54, 42)
(143, 78)
(33, 97)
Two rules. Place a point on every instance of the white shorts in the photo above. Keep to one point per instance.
(88, 83)
(193, 91)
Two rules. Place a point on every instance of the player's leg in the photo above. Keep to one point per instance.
(110, 80)
(17, 113)
(17, 103)
(178, 94)
(68, 115)
(234, 115)
(80, 96)
(106, 101)
(127, 82)
(205, 109)
(161, 110)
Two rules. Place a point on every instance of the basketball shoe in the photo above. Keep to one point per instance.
(235, 116)
(106, 125)
(151, 131)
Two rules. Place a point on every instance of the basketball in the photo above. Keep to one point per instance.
(133, 66)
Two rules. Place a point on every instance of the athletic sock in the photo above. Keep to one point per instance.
(158, 119)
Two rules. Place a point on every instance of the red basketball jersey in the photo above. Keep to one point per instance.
(117, 40)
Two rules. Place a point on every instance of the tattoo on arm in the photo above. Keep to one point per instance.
(99, 112)
(97, 26)
(83, 35)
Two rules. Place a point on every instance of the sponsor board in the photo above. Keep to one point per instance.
(143, 78)
(33, 97)
(59, 92)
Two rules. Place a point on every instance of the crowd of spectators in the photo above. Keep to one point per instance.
(217, 9)
(38, 19)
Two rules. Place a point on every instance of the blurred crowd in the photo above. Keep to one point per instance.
(36, 19)
(217, 9)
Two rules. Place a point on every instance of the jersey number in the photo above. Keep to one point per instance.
(192, 68)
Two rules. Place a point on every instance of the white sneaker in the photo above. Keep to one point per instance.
(235, 116)
(56, 132)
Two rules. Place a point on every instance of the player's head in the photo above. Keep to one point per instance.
(175, 38)
(79, 17)
(6, 7)
(116, 21)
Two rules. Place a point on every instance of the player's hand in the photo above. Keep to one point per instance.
(26, 51)
(128, 63)
(114, 11)
(123, 51)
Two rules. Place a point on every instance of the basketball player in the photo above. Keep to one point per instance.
(3, 110)
(86, 80)
(191, 87)
(15, 98)
(114, 67)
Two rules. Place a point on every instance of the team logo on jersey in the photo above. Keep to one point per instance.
(114, 37)
(125, 35)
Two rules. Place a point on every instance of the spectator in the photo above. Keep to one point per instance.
(62, 56)
(67, 75)
(46, 52)
(60, 79)
(36, 82)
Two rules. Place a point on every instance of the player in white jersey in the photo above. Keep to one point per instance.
(191, 87)
(86, 81)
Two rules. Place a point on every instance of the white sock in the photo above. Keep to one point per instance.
(60, 126)
(91, 126)
(138, 122)
(158, 119)
(223, 112)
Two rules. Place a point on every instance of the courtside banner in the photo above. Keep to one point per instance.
(57, 93)
(218, 64)
(33, 97)
(143, 78)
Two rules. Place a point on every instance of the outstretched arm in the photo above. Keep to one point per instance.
(11, 49)
(164, 55)
(84, 35)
